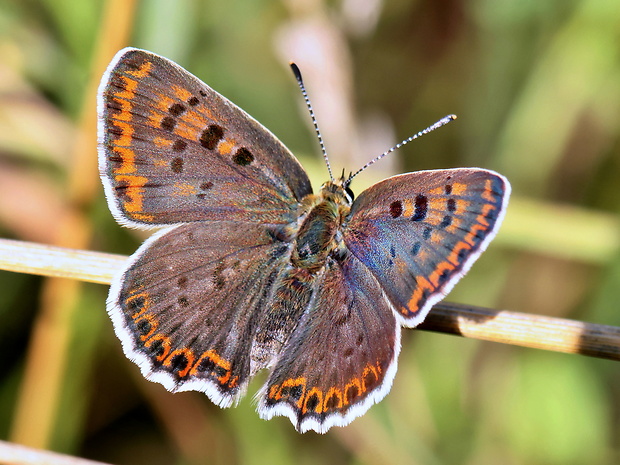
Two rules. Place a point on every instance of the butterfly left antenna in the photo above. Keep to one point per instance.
(300, 83)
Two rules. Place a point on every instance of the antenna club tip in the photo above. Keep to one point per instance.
(296, 70)
(452, 117)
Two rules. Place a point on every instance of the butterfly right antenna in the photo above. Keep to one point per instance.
(300, 82)
(443, 121)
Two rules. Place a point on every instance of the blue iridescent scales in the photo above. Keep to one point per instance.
(252, 270)
(431, 225)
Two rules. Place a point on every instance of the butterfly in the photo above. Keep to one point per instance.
(253, 271)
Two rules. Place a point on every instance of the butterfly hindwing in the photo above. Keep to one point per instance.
(173, 150)
(188, 305)
(427, 228)
(341, 358)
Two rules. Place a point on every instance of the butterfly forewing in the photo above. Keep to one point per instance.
(427, 228)
(173, 150)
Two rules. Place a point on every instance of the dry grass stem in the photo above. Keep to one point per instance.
(521, 329)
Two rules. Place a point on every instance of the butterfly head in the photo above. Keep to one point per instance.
(343, 183)
(338, 191)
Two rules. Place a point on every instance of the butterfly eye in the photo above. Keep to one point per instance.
(350, 194)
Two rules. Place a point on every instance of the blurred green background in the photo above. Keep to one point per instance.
(536, 87)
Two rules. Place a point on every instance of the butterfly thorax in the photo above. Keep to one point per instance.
(320, 223)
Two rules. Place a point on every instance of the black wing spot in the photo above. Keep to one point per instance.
(156, 348)
(144, 327)
(168, 123)
(444, 276)
(206, 365)
(176, 165)
(243, 157)
(179, 362)
(179, 145)
(296, 391)
(416, 249)
(176, 109)
(332, 402)
(447, 221)
(136, 304)
(211, 136)
(351, 394)
(312, 402)
(396, 208)
(421, 207)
